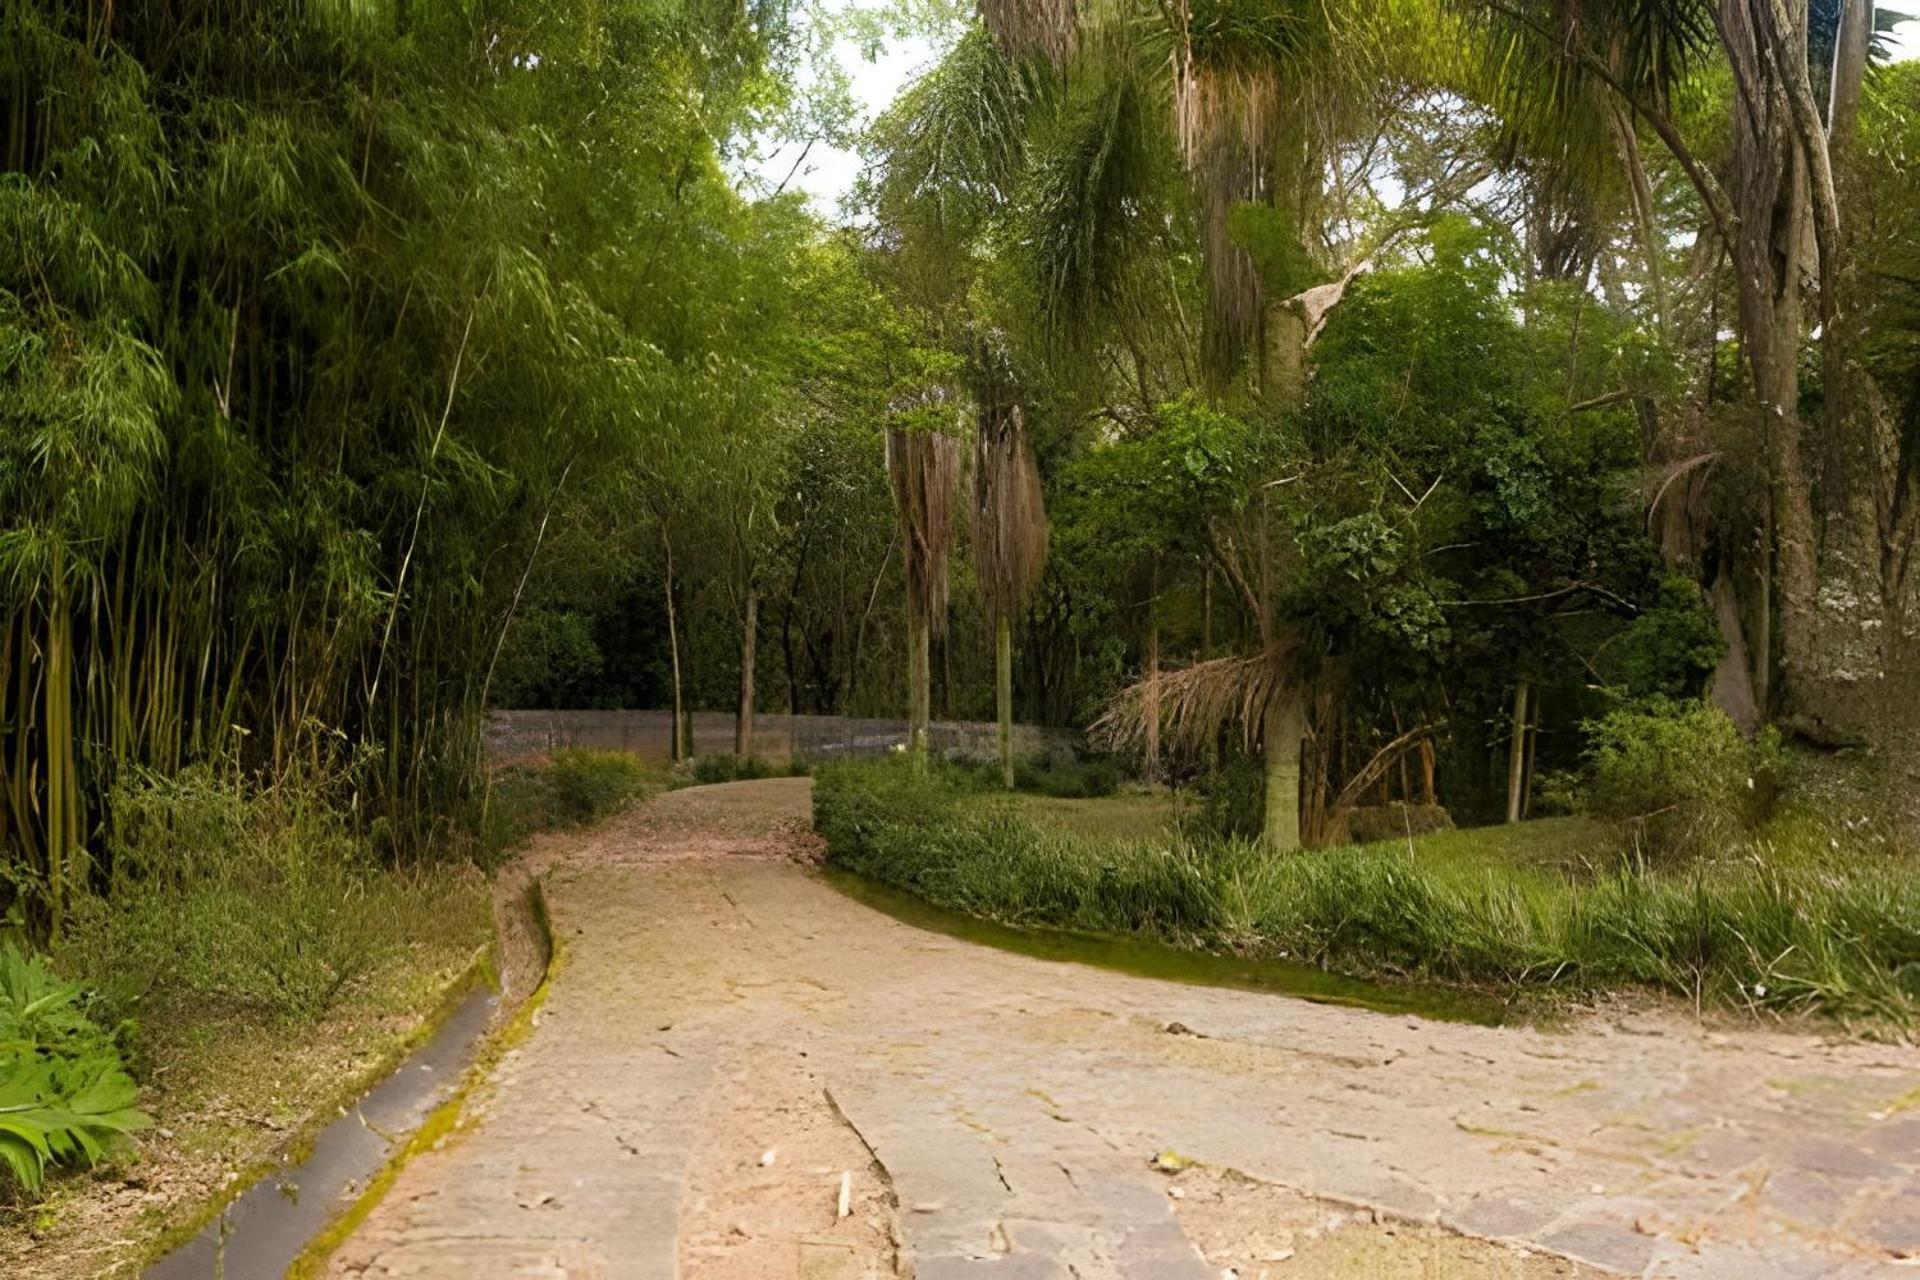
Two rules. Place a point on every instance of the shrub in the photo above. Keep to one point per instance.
(1679, 776)
(590, 785)
(64, 1092)
(258, 900)
(708, 770)
(575, 788)
(1231, 801)
(1069, 780)
(1733, 932)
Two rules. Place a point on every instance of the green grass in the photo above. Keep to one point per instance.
(1549, 907)
(1129, 815)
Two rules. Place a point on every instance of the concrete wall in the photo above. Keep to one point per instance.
(531, 735)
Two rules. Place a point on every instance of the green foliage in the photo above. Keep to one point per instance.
(319, 326)
(1671, 648)
(1772, 933)
(1680, 776)
(258, 901)
(1229, 800)
(710, 769)
(1083, 779)
(64, 1094)
(576, 788)
(1271, 236)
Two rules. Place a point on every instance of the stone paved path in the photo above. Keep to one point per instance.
(727, 1035)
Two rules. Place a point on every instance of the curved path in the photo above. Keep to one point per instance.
(729, 1041)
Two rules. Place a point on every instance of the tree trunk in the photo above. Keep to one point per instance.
(749, 646)
(1644, 218)
(676, 747)
(56, 727)
(1282, 729)
(1780, 185)
(1517, 754)
(919, 688)
(1003, 693)
(1151, 744)
(1533, 746)
(1850, 47)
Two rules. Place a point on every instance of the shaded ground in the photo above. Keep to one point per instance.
(727, 1037)
(228, 1093)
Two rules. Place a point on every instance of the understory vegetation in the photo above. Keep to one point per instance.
(1353, 421)
(575, 788)
(1795, 916)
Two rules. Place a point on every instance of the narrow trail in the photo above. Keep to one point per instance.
(728, 1037)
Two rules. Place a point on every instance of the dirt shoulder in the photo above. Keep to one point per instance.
(229, 1095)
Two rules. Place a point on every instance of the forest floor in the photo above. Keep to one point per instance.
(229, 1093)
(728, 1042)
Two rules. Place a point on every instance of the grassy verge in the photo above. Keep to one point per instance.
(1788, 923)
(263, 969)
(576, 788)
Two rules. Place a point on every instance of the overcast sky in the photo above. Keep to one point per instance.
(828, 173)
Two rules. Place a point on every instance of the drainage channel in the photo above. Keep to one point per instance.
(260, 1234)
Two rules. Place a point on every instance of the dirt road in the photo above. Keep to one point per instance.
(728, 1042)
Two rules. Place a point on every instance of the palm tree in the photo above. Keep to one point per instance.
(1009, 528)
(923, 466)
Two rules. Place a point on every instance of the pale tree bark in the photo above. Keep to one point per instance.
(1003, 693)
(1283, 727)
(749, 646)
(919, 689)
(1771, 191)
(677, 745)
(1850, 47)
(1517, 754)
(1646, 228)
(1150, 746)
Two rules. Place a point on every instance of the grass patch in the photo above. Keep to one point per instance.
(576, 788)
(1127, 816)
(1545, 907)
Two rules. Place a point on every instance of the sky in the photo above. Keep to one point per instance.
(828, 173)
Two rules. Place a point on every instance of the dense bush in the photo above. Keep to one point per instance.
(1084, 779)
(1791, 936)
(710, 769)
(576, 788)
(64, 1093)
(1229, 801)
(1680, 777)
(225, 894)
(978, 855)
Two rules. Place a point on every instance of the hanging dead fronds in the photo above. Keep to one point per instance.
(1022, 28)
(1009, 509)
(1195, 704)
(923, 469)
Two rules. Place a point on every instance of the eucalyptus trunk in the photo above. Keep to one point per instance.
(749, 643)
(676, 744)
(1517, 754)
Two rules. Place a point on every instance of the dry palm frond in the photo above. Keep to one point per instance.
(1195, 703)
(1377, 766)
(923, 467)
(1009, 510)
(1022, 27)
